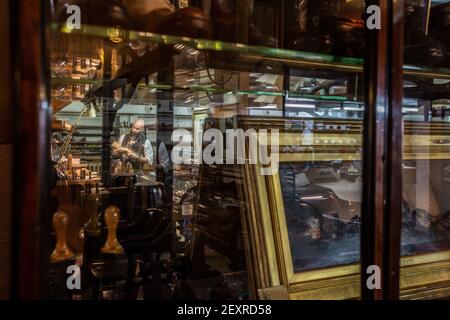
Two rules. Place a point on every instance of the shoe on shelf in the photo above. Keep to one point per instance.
(106, 13)
(160, 16)
(186, 22)
(325, 26)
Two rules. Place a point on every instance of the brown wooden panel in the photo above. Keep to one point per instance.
(31, 150)
(5, 151)
(5, 219)
(5, 76)
(393, 214)
(381, 212)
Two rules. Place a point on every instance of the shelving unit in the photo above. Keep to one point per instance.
(258, 55)
(225, 80)
(246, 58)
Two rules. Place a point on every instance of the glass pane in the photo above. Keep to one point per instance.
(323, 209)
(426, 157)
(136, 92)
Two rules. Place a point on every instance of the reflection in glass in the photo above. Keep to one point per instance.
(426, 206)
(322, 203)
(426, 140)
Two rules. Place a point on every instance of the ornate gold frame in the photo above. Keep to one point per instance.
(422, 276)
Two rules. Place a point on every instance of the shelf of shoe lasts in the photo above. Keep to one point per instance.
(255, 54)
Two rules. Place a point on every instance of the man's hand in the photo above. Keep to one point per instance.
(144, 161)
(132, 155)
(117, 149)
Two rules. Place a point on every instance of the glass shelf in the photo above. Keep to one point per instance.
(248, 54)
(213, 45)
(208, 89)
(197, 55)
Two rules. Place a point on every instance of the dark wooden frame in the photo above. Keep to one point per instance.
(6, 149)
(382, 150)
(381, 218)
(31, 149)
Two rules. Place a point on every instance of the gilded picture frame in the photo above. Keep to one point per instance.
(423, 276)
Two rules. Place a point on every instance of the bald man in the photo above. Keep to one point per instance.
(137, 148)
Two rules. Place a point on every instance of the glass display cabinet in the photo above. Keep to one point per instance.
(424, 237)
(143, 92)
(311, 210)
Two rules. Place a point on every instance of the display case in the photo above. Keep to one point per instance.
(424, 234)
(311, 210)
(164, 221)
(173, 74)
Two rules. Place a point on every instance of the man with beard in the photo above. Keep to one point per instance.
(134, 147)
